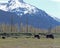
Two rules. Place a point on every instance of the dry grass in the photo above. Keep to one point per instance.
(29, 43)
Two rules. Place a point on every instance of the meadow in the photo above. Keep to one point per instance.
(29, 43)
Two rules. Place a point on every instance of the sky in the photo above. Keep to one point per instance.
(52, 7)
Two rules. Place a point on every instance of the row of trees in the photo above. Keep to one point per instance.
(25, 28)
(21, 28)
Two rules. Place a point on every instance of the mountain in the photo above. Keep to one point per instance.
(17, 11)
(57, 19)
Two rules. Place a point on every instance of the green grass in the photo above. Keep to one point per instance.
(29, 43)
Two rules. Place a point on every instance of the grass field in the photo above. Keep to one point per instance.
(29, 43)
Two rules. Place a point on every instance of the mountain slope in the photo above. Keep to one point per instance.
(34, 20)
(18, 11)
(8, 17)
(57, 19)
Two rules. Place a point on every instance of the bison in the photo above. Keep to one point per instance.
(50, 36)
(3, 37)
(37, 36)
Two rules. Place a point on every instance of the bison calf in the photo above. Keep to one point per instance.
(37, 36)
(3, 37)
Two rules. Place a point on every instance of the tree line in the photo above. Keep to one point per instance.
(20, 28)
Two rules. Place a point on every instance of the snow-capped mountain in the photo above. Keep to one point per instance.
(27, 14)
(18, 6)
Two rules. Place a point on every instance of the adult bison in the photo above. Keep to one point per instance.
(50, 36)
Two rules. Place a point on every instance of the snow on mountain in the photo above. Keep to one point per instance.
(3, 6)
(57, 19)
(18, 6)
